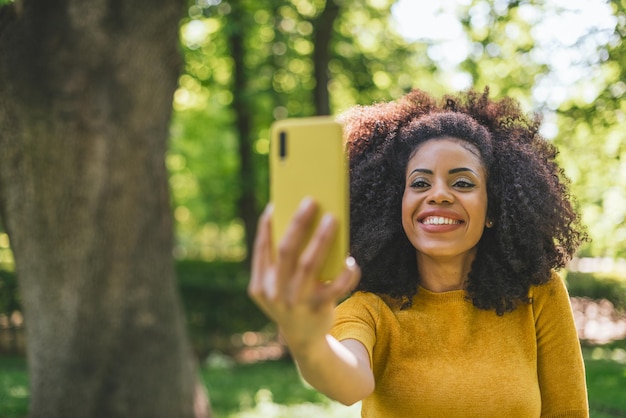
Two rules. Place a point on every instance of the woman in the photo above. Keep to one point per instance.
(459, 218)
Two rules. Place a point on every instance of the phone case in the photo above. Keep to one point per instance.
(308, 158)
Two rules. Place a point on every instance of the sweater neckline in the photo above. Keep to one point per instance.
(428, 296)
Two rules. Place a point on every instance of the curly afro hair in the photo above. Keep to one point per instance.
(536, 228)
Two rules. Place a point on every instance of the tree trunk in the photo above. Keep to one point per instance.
(321, 55)
(85, 101)
(241, 105)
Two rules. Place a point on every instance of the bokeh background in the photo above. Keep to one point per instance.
(247, 63)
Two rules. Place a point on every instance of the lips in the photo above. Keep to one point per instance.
(439, 220)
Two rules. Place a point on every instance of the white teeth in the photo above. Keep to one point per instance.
(439, 220)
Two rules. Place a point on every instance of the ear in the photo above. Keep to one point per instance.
(489, 223)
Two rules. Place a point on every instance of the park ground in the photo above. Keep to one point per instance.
(260, 382)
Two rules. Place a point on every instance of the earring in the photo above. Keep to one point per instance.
(489, 223)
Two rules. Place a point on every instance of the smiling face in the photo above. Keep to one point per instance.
(444, 206)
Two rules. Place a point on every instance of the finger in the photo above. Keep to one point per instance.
(312, 260)
(341, 286)
(262, 253)
(293, 241)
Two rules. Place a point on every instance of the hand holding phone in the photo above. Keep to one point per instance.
(308, 159)
(299, 286)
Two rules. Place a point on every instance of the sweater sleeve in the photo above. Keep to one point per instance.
(356, 318)
(560, 367)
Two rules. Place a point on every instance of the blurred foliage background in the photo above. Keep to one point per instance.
(247, 63)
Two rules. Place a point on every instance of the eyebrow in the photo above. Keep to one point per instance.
(452, 171)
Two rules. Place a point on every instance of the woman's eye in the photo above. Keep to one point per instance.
(464, 184)
(419, 184)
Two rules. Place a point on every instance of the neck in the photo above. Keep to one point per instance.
(443, 274)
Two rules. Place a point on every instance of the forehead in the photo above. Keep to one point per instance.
(447, 147)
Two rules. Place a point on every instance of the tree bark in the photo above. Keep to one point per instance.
(85, 101)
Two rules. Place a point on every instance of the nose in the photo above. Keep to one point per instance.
(440, 194)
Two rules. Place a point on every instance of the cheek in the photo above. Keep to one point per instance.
(408, 211)
(479, 209)
(485, 203)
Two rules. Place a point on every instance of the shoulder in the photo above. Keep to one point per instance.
(360, 301)
(357, 317)
(551, 298)
(553, 288)
(370, 300)
(370, 305)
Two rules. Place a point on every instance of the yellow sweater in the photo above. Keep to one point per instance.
(445, 358)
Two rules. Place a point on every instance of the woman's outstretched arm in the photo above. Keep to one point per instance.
(286, 287)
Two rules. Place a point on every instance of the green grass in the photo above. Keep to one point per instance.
(238, 387)
(270, 389)
(274, 389)
(13, 388)
(606, 379)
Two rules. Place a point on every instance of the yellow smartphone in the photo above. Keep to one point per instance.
(308, 157)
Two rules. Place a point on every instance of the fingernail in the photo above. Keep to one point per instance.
(327, 220)
(305, 203)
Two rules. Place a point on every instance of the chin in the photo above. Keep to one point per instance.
(445, 252)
